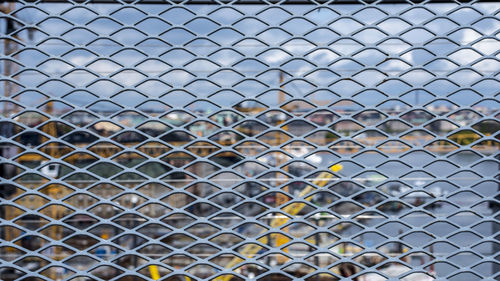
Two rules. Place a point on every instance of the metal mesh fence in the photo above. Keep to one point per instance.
(331, 140)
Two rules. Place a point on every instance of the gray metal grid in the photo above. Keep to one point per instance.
(233, 140)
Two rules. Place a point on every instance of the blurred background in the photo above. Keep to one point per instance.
(160, 141)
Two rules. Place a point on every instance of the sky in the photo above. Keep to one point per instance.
(228, 53)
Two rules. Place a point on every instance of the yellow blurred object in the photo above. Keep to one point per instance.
(251, 250)
(281, 240)
(155, 274)
(336, 167)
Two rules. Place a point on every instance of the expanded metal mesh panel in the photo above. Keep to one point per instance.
(249, 141)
